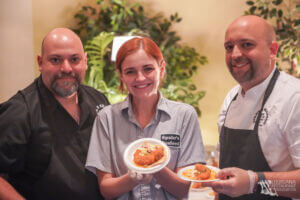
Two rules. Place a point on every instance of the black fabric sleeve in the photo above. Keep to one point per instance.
(14, 134)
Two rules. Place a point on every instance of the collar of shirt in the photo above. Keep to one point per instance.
(250, 103)
(46, 95)
(52, 104)
(126, 108)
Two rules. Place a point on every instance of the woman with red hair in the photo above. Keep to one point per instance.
(144, 114)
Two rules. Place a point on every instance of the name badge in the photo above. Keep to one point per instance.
(172, 140)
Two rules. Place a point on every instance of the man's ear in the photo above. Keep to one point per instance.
(40, 62)
(273, 49)
(85, 60)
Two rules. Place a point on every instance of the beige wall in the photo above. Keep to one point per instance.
(16, 39)
(49, 14)
(203, 27)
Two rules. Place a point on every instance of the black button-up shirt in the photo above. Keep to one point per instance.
(43, 149)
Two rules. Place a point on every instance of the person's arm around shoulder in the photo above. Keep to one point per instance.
(7, 192)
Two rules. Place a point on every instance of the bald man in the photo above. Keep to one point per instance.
(45, 128)
(259, 122)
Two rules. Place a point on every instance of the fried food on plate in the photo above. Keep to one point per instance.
(200, 172)
(149, 155)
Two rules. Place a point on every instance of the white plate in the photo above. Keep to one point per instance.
(130, 150)
(179, 173)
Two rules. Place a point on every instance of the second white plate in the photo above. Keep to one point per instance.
(180, 174)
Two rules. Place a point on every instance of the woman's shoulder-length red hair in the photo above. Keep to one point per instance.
(133, 45)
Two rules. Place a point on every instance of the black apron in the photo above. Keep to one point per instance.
(241, 148)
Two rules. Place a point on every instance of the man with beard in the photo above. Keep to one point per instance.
(45, 128)
(259, 122)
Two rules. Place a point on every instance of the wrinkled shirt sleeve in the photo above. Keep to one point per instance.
(99, 154)
(292, 129)
(192, 148)
(14, 134)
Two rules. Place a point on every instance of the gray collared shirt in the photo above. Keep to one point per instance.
(115, 127)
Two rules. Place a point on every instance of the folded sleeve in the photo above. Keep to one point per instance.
(99, 148)
(192, 148)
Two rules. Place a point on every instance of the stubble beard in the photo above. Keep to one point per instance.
(245, 77)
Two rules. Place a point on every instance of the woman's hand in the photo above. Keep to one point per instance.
(140, 178)
(112, 187)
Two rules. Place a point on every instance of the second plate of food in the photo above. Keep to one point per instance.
(198, 173)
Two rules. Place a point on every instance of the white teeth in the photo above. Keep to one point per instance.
(240, 64)
(141, 86)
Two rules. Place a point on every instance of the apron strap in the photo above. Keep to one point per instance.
(266, 96)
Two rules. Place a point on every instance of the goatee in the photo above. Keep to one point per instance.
(68, 88)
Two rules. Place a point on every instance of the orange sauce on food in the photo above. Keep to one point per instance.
(148, 154)
(193, 174)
